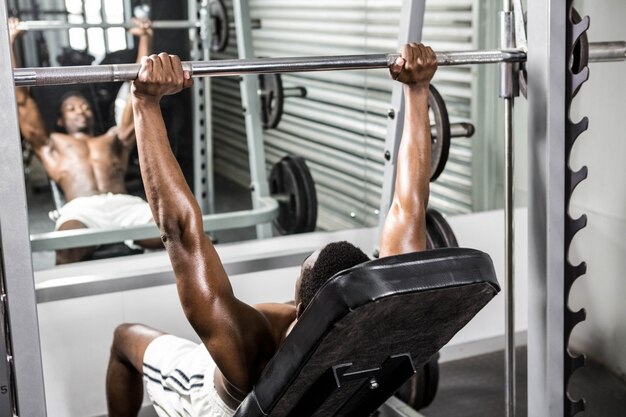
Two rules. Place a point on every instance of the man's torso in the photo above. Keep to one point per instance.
(88, 165)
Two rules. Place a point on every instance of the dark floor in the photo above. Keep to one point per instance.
(474, 387)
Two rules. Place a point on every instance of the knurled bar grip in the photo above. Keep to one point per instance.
(24, 77)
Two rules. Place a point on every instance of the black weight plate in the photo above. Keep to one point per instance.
(580, 55)
(219, 26)
(431, 378)
(439, 230)
(440, 146)
(272, 99)
(285, 181)
(430, 244)
(420, 390)
(579, 59)
(309, 192)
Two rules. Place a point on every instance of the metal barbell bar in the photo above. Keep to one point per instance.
(457, 130)
(607, 51)
(40, 25)
(24, 77)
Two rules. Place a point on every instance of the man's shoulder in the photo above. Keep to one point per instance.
(276, 309)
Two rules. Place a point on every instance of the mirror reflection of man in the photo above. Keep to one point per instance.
(89, 169)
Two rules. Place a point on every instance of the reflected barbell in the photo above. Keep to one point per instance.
(41, 25)
(25, 77)
(220, 28)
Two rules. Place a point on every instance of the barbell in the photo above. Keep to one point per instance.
(25, 77)
(218, 12)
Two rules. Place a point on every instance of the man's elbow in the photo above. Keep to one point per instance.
(174, 226)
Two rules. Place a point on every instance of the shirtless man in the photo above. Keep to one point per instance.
(238, 340)
(89, 169)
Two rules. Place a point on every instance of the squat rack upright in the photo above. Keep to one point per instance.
(21, 379)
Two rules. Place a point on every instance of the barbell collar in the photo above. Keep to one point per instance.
(457, 130)
(607, 51)
(294, 92)
(25, 77)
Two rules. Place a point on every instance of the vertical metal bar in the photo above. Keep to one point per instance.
(205, 36)
(507, 92)
(128, 14)
(7, 390)
(105, 32)
(252, 113)
(411, 24)
(200, 128)
(546, 218)
(17, 270)
(509, 266)
(84, 10)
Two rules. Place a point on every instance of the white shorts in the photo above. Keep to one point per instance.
(179, 379)
(106, 211)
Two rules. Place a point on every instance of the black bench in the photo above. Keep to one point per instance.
(367, 331)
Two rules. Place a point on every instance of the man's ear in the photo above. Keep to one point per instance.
(299, 310)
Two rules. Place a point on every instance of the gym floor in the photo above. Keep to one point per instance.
(472, 387)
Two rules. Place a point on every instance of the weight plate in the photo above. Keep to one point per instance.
(440, 146)
(310, 194)
(579, 58)
(580, 55)
(420, 390)
(220, 29)
(292, 185)
(272, 99)
(439, 230)
(431, 377)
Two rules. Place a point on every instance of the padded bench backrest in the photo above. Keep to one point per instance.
(368, 329)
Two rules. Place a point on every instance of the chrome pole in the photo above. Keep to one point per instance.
(24, 77)
(508, 93)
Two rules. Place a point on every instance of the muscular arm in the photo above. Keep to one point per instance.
(237, 336)
(31, 122)
(405, 226)
(126, 129)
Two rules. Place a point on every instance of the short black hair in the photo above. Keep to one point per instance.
(70, 94)
(333, 258)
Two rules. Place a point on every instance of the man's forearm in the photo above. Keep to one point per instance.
(145, 46)
(415, 148)
(21, 93)
(168, 194)
(126, 128)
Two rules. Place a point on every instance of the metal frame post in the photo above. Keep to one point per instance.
(508, 91)
(410, 30)
(18, 307)
(546, 217)
(251, 102)
(203, 187)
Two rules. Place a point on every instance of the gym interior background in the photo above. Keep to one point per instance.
(340, 129)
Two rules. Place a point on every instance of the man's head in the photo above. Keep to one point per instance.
(75, 114)
(321, 266)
